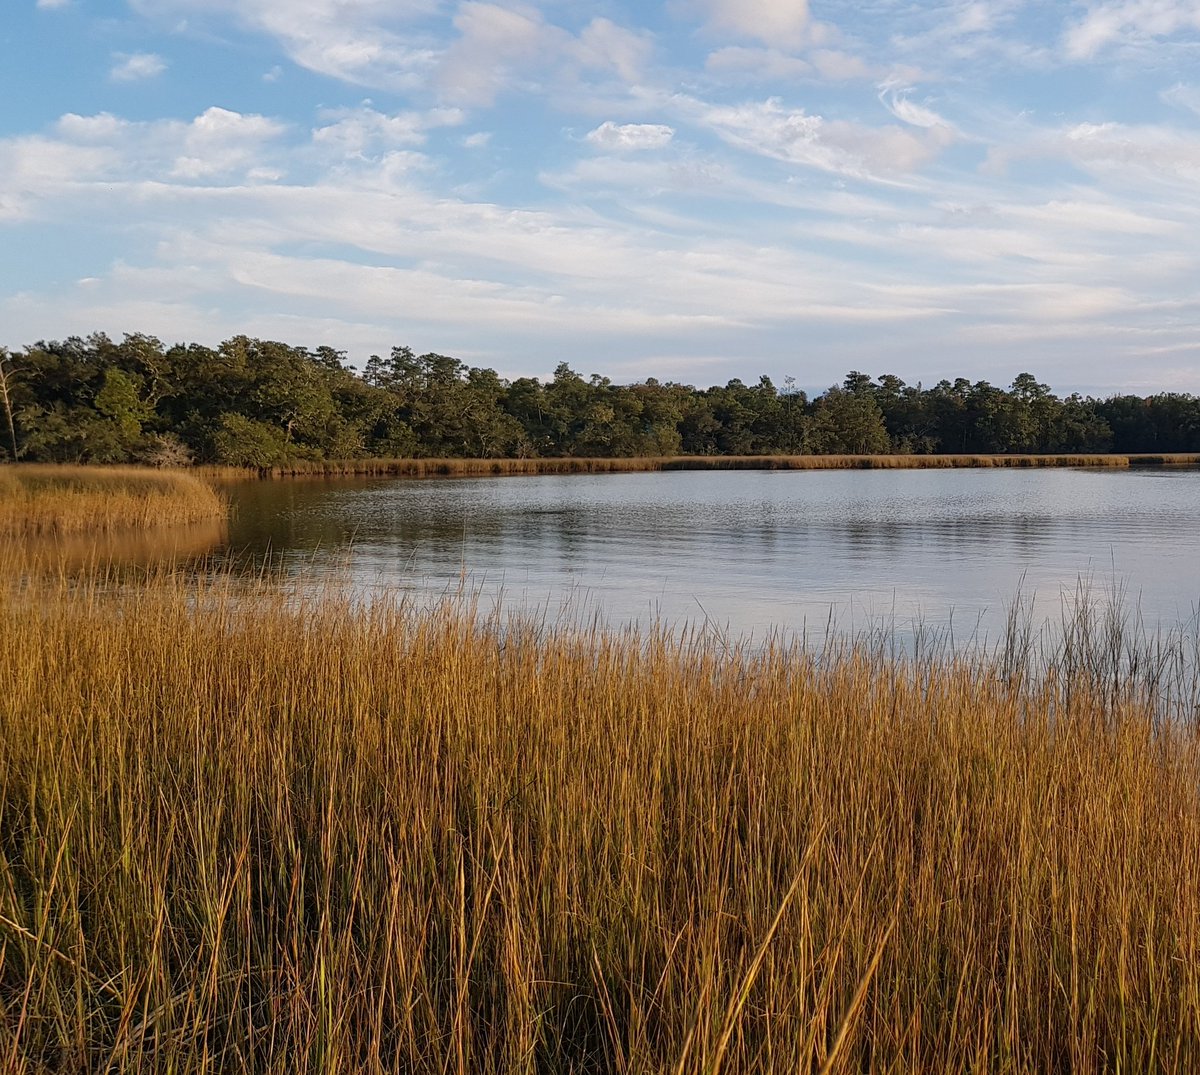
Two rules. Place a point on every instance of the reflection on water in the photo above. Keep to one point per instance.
(180, 545)
(750, 550)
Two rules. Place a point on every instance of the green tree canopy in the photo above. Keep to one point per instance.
(256, 402)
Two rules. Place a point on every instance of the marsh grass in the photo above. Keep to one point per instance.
(245, 831)
(37, 501)
(428, 468)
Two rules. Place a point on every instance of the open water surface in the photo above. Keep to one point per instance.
(752, 552)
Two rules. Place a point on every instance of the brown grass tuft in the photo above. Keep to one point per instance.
(59, 500)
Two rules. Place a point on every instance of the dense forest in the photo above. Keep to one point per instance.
(259, 403)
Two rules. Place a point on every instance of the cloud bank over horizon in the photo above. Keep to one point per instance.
(695, 190)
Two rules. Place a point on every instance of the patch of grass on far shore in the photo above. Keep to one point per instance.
(428, 468)
(38, 501)
(250, 832)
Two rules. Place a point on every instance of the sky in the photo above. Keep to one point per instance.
(692, 190)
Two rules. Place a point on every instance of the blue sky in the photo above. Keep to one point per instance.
(693, 190)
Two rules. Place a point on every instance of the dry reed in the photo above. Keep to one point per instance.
(242, 832)
(61, 500)
(427, 468)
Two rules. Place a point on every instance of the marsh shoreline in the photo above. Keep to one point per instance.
(425, 468)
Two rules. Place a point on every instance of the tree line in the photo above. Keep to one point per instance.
(260, 403)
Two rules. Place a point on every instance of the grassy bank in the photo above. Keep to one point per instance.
(426, 468)
(241, 834)
(60, 500)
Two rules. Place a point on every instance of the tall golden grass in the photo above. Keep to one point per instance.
(249, 832)
(60, 500)
(425, 468)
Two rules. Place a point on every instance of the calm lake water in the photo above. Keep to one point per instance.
(753, 551)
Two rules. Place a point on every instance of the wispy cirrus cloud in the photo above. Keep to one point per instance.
(605, 46)
(1104, 25)
(383, 43)
(1184, 96)
(494, 43)
(514, 48)
(745, 64)
(1140, 156)
(785, 23)
(905, 109)
(469, 52)
(842, 147)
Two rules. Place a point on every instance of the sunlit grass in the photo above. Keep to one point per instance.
(53, 500)
(421, 468)
(245, 832)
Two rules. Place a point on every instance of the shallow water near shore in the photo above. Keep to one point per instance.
(751, 553)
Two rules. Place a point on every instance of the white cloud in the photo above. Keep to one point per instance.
(364, 42)
(51, 5)
(36, 170)
(776, 23)
(1148, 150)
(135, 66)
(1182, 95)
(1128, 21)
(908, 111)
(975, 17)
(450, 263)
(219, 142)
(604, 46)
(839, 66)
(502, 48)
(103, 127)
(957, 38)
(839, 146)
(716, 179)
(364, 131)
(482, 51)
(1144, 156)
(629, 137)
(752, 64)
(741, 63)
(708, 245)
(495, 43)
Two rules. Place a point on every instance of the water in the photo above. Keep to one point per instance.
(753, 551)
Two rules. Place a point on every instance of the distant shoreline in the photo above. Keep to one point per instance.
(431, 468)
